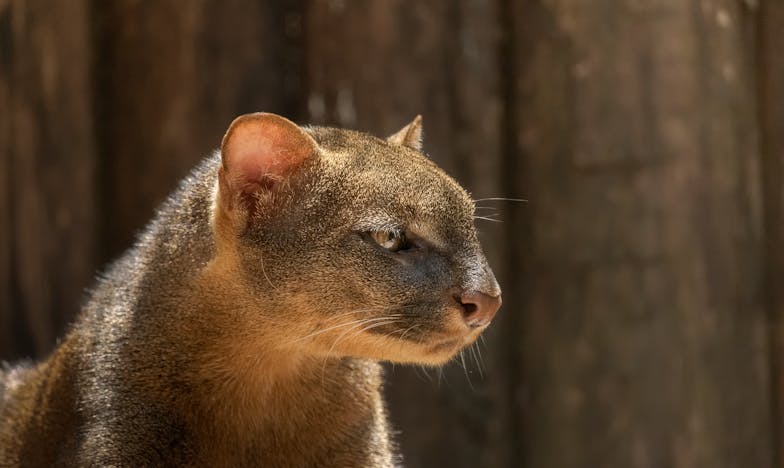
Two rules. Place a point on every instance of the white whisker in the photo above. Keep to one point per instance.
(408, 330)
(479, 352)
(476, 360)
(465, 370)
(263, 270)
(424, 371)
(522, 200)
(485, 218)
(359, 321)
(383, 321)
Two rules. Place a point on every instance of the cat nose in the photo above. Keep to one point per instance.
(478, 308)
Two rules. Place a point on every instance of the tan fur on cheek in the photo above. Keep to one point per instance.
(348, 334)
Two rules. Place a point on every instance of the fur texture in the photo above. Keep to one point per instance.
(245, 325)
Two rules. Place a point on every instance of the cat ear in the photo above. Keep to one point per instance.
(260, 150)
(410, 135)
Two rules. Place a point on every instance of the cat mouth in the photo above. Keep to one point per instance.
(430, 342)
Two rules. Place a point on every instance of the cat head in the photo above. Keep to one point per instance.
(345, 244)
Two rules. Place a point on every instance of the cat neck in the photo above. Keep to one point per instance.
(253, 382)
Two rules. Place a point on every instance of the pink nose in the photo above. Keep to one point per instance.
(478, 308)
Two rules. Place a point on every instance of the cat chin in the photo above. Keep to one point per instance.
(441, 353)
(429, 354)
(430, 351)
(436, 357)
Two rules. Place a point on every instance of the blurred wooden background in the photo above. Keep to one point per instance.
(644, 280)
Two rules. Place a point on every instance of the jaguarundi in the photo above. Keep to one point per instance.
(245, 326)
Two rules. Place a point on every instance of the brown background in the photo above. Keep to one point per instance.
(644, 279)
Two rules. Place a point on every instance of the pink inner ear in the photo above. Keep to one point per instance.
(261, 149)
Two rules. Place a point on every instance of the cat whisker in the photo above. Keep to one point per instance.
(391, 319)
(424, 371)
(465, 370)
(462, 362)
(357, 311)
(479, 352)
(521, 200)
(412, 327)
(486, 218)
(379, 321)
(375, 309)
(390, 334)
(476, 360)
(357, 333)
(352, 322)
(324, 330)
(402, 331)
(264, 271)
(486, 210)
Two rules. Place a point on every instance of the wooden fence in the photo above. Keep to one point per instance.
(644, 279)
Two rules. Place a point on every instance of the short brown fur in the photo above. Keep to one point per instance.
(224, 337)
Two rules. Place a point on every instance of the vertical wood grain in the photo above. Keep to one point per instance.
(47, 170)
(644, 334)
(173, 75)
(8, 348)
(770, 73)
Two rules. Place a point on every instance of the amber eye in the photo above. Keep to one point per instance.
(390, 240)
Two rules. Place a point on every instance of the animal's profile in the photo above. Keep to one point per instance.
(245, 326)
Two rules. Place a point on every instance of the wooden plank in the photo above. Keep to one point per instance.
(6, 227)
(373, 66)
(644, 333)
(49, 165)
(770, 24)
(173, 77)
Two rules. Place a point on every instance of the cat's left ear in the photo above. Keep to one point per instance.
(410, 135)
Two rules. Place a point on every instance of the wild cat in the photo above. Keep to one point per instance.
(245, 326)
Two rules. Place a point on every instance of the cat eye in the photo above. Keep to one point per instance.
(393, 241)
